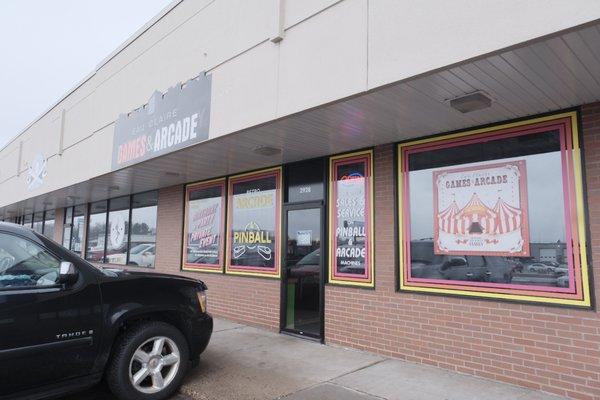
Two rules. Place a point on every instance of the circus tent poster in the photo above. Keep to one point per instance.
(481, 210)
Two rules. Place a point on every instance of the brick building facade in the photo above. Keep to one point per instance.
(542, 347)
(298, 104)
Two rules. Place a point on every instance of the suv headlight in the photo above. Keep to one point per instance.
(201, 294)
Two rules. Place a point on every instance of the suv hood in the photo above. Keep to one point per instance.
(124, 274)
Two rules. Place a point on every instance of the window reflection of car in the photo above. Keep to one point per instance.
(563, 281)
(426, 264)
(478, 268)
(95, 255)
(550, 263)
(539, 268)
(307, 266)
(141, 255)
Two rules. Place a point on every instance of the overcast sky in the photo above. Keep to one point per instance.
(48, 46)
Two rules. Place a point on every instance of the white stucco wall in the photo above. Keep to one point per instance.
(330, 50)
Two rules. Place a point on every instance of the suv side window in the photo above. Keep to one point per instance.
(25, 264)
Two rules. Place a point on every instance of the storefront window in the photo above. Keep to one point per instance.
(48, 230)
(38, 222)
(204, 226)
(73, 228)
(78, 229)
(130, 236)
(495, 213)
(96, 236)
(67, 228)
(351, 225)
(118, 231)
(143, 229)
(254, 207)
(27, 220)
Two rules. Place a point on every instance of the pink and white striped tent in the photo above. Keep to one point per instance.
(447, 220)
(476, 217)
(508, 218)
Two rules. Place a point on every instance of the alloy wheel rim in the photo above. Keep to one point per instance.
(154, 364)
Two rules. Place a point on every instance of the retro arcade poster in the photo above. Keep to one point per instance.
(254, 223)
(481, 210)
(204, 226)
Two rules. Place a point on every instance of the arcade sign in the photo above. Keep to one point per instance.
(171, 121)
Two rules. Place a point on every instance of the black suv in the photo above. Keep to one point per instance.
(65, 324)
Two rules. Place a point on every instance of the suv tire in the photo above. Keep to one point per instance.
(137, 351)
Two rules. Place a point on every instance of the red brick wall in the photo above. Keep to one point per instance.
(253, 301)
(552, 349)
(59, 222)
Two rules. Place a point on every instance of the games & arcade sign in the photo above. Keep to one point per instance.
(171, 121)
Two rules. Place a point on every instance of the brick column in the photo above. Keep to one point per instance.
(59, 222)
(253, 301)
(169, 229)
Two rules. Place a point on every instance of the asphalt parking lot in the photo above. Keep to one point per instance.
(246, 363)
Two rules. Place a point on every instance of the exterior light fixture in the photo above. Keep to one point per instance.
(267, 150)
(471, 102)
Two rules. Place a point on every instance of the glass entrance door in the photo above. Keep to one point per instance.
(303, 271)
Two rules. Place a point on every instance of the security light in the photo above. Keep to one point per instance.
(471, 102)
(267, 150)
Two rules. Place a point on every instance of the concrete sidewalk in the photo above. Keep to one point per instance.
(242, 362)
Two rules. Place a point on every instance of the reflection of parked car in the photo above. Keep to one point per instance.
(426, 264)
(142, 255)
(538, 268)
(561, 270)
(95, 255)
(307, 266)
(478, 268)
(562, 281)
(546, 268)
(550, 263)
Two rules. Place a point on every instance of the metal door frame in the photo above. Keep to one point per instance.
(320, 205)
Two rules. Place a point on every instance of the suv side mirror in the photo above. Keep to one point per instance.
(67, 273)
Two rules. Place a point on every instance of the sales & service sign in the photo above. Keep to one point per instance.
(351, 220)
(481, 210)
(171, 121)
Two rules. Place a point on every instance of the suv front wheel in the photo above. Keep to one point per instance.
(148, 362)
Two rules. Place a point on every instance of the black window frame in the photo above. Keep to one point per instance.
(107, 219)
